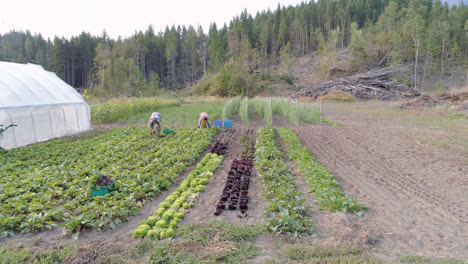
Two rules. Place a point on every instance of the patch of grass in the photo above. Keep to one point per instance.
(264, 109)
(337, 96)
(326, 121)
(291, 110)
(448, 127)
(288, 79)
(305, 254)
(244, 111)
(186, 115)
(458, 116)
(113, 110)
(306, 99)
(162, 255)
(11, 255)
(218, 241)
(213, 242)
(311, 115)
(427, 260)
(287, 108)
(231, 107)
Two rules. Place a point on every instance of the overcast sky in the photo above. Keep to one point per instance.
(120, 18)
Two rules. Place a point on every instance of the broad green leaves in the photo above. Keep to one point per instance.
(284, 205)
(46, 184)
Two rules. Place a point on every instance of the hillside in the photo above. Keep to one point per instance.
(428, 35)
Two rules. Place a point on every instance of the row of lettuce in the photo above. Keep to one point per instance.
(48, 184)
(170, 213)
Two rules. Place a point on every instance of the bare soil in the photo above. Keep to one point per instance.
(417, 194)
(206, 202)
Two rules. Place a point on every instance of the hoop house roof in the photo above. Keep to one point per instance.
(30, 85)
(40, 104)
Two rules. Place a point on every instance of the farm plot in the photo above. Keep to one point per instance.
(284, 203)
(238, 179)
(206, 205)
(166, 218)
(45, 185)
(320, 181)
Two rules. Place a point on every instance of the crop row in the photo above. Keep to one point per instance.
(170, 213)
(54, 188)
(284, 204)
(113, 110)
(231, 107)
(319, 180)
(236, 187)
(248, 142)
(244, 110)
(326, 121)
(219, 147)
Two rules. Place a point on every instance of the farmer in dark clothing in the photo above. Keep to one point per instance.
(155, 123)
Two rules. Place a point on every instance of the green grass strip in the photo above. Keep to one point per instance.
(186, 115)
(326, 121)
(113, 110)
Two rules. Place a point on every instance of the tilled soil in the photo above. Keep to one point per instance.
(205, 204)
(417, 195)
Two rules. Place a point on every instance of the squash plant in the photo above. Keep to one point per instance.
(284, 203)
(320, 181)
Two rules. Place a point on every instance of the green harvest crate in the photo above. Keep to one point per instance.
(103, 190)
(167, 131)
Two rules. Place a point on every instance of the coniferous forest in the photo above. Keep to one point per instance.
(431, 36)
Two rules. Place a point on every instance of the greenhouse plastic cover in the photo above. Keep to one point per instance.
(40, 104)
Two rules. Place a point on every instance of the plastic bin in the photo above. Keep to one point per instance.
(103, 190)
(218, 123)
(228, 123)
(167, 131)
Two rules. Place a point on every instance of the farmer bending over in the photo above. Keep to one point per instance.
(203, 122)
(155, 123)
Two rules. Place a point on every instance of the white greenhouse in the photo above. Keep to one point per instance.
(40, 104)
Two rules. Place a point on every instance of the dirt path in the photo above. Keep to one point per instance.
(205, 204)
(417, 195)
